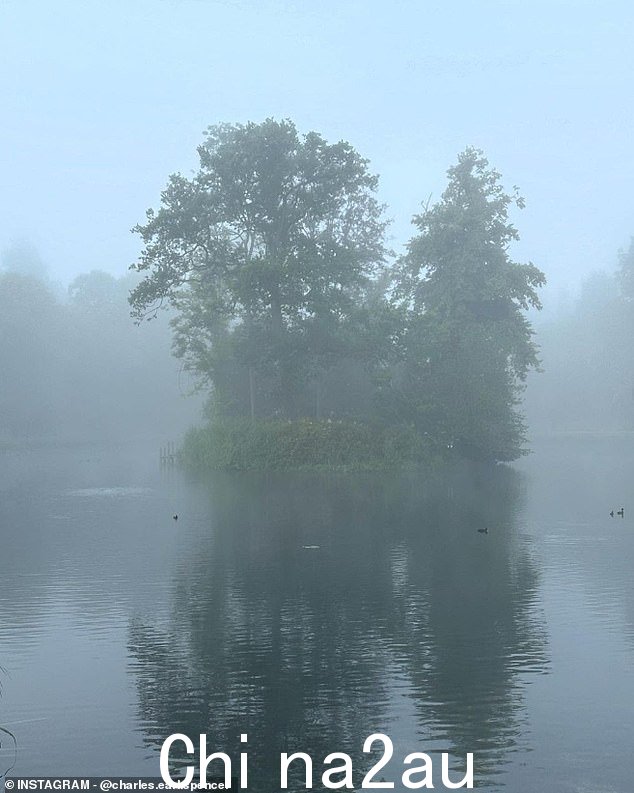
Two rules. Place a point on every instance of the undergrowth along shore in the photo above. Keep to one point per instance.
(305, 444)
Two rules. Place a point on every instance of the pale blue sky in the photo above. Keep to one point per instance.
(103, 99)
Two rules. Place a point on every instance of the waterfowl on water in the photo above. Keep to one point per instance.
(485, 530)
(175, 517)
(620, 513)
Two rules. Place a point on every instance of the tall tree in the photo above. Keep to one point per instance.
(265, 254)
(626, 271)
(469, 344)
(31, 333)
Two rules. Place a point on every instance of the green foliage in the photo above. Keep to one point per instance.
(266, 253)
(468, 345)
(294, 445)
(273, 257)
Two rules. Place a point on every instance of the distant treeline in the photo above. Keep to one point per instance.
(286, 305)
(588, 359)
(289, 305)
(74, 367)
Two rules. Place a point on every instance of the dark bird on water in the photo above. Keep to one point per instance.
(175, 517)
(485, 530)
(620, 512)
(612, 513)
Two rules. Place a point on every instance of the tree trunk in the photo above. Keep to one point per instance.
(318, 400)
(252, 392)
(278, 330)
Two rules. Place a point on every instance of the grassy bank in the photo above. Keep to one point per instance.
(302, 445)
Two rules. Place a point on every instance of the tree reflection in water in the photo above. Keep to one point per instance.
(308, 649)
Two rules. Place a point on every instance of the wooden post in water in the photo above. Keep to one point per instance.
(167, 454)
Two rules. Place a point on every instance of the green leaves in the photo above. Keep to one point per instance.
(273, 255)
(469, 346)
(302, 445)
(276, 232)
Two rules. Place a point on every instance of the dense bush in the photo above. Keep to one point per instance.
(281, 445)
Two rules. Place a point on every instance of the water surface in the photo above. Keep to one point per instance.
(310, 611)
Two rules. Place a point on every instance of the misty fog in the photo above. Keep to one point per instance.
(317, 388)
(75, 368)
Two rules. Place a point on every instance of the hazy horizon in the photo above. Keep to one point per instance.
(104, 101)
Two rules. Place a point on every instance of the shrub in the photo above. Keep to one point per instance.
(242, 445)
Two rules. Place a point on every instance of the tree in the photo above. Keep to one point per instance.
(23, 258)
(265, 254)
(626, 271)
(468, 346)
(31, 340)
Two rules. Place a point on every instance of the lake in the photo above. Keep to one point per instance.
(310, 611)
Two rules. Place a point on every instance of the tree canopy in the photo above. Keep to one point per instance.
(265, 253)
(469, 345)
(273, 257)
